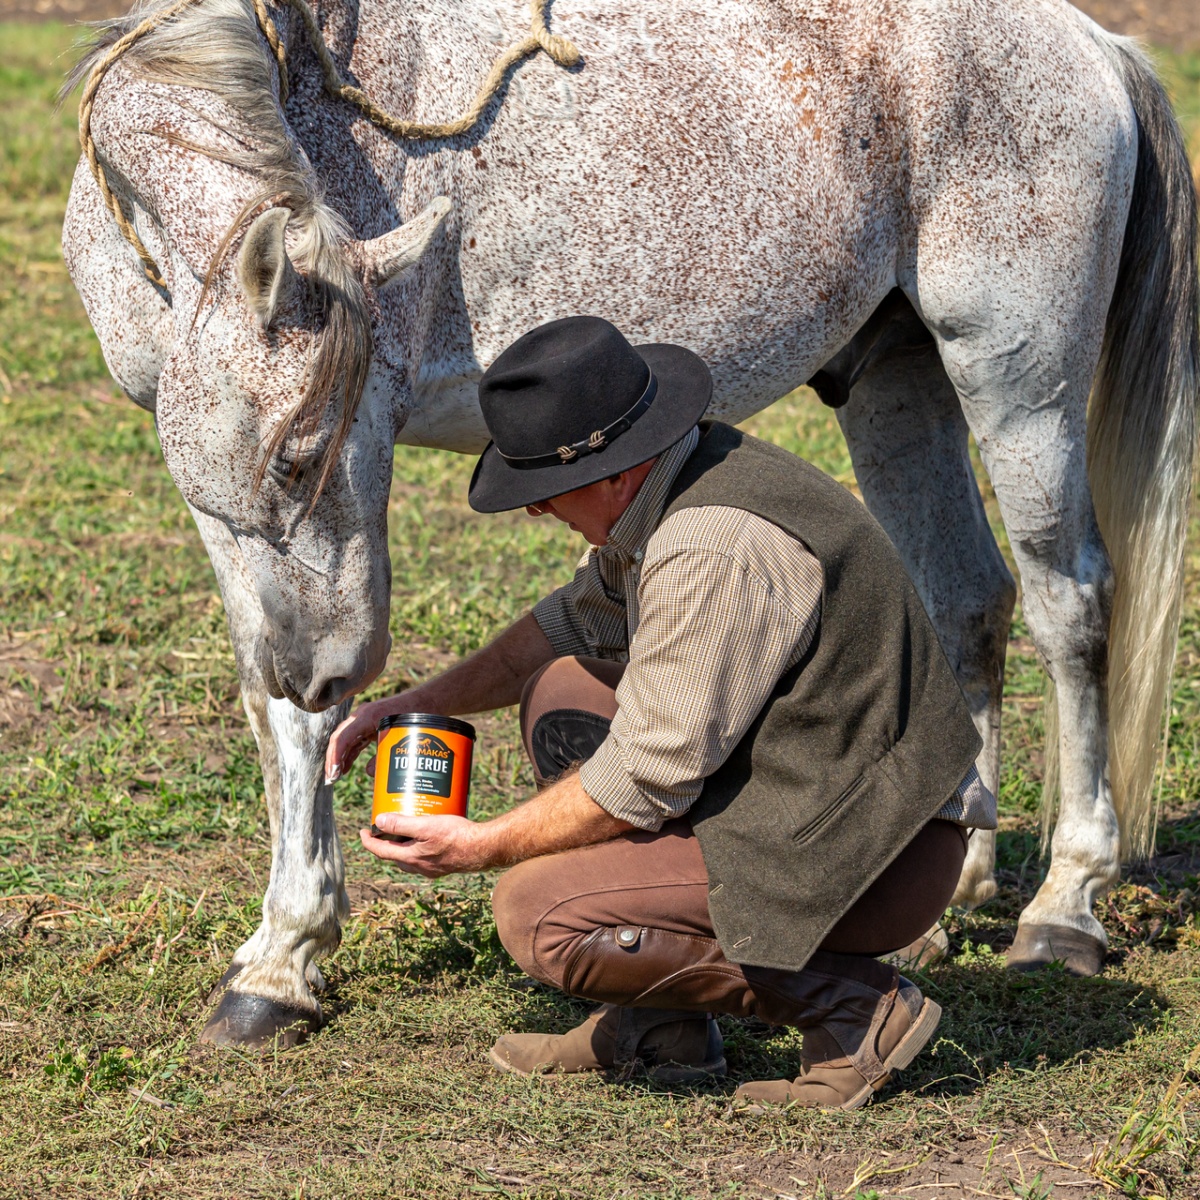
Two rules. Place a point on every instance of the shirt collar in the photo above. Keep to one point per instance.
(635, 525)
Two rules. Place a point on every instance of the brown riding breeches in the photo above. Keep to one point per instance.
(546, 908)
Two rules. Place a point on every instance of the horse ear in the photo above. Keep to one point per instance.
(264, 269)
(386, 258)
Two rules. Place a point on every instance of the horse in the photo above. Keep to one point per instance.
(955, 217)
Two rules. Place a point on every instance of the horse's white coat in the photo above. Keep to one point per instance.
(749, 179)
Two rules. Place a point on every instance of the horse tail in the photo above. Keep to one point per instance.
(1142, 439)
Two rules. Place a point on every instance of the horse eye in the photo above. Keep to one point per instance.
(298, 459)
(286, 472)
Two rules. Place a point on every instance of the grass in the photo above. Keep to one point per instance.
(134, 852)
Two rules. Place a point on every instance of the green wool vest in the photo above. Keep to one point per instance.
(859, 744)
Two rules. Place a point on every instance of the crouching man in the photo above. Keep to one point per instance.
(757, 767)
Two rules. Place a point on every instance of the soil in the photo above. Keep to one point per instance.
(27, 683)
(1174, 24)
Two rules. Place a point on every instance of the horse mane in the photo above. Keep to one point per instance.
(216, 46)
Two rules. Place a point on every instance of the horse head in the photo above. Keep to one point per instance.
(275, 419)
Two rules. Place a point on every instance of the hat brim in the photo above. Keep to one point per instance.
(684, 390)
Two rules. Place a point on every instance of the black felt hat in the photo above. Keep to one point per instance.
(572, 402)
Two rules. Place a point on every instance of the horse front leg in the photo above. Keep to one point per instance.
(268, 994)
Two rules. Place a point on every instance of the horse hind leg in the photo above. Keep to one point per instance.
(1024, 382)
(908, 441)
(267, 996)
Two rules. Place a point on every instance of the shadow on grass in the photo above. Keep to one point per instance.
(444, 942)
(995, 1018)
(1176, 860)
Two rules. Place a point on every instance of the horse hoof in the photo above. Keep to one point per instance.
(929, 948)
(1037, 946)
(218, 988)
(256, 1023)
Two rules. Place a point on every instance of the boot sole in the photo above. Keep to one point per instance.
(909, 1046)
(668, 1073)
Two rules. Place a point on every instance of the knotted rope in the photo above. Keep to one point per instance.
(560, 49)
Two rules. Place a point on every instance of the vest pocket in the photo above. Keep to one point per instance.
(809, 831)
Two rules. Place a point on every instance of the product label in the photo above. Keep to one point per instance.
(421, 763)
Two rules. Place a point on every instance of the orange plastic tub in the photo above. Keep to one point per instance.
(422, 766)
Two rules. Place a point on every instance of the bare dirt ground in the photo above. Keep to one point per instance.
(1174, 24)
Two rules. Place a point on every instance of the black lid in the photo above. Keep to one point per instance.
(429, 721)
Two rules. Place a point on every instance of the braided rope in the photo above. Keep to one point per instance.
(560, 49)
(271, 33)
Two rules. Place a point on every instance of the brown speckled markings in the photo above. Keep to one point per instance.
(751, 178)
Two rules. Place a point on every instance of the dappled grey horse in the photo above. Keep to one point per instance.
(952, 216)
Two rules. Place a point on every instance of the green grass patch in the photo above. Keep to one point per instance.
(134, 851)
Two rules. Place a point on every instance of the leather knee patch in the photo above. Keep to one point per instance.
(564, 737)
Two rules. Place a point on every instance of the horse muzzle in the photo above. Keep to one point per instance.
(318, 675)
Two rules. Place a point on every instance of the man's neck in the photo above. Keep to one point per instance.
(632, 529)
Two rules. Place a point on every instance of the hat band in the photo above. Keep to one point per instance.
(592, 444)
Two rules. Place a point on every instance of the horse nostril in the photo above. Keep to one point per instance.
(331, 693)
(266, 665)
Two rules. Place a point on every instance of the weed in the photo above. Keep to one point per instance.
(78, 1068)
(1035, 1189)
(1121, 1162)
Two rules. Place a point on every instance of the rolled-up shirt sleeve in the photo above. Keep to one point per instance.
(727, 604)
(558, 619)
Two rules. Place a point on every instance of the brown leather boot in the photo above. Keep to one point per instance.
(674, 1047)
(852, 1054)
(862, 1020)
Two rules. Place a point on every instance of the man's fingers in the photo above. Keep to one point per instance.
(353, 750)
(398, 825)
(406, 855)
(334, 750)
(345, 745)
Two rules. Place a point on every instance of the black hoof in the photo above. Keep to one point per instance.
(256, 1023)
(218, 989)
(1037, 946)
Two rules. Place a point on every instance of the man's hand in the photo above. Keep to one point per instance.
(355, 734)
(491, 678)
(438, 846)
(560, 818)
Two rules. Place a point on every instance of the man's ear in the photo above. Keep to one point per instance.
(629, 481)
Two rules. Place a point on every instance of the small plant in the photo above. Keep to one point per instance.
(1121, 1161)
(82, 1067)
(1035, 1189)
(872, 1170)
(448, 931)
